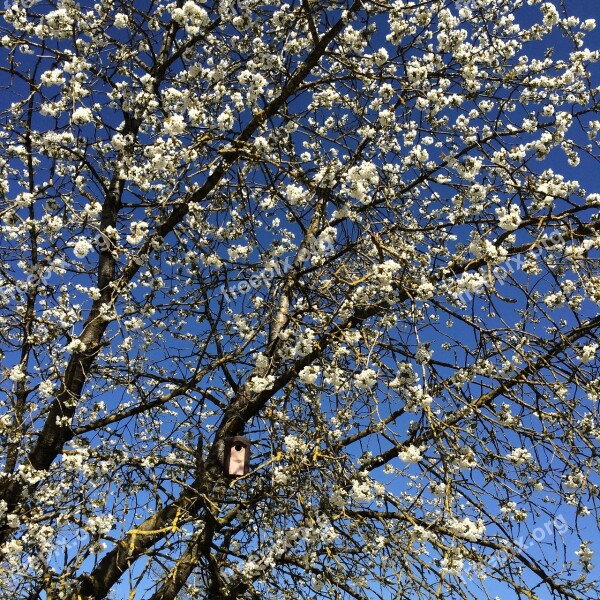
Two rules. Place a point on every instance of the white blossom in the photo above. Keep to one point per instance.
(225, 120)
(53, 77)
(82, 115)
(411, 454)
(82, 248)
(519, 456)
(100, 524)
(361, 491)
(366, 379)
(295, 194)
(585, 555)
(260, 384)
(138, 232)
(238, 251)
(59, 22)
(381, 56)
(294, 444)
(174, 125)
(588, 352)
(509, 219)
(46, 389)
(573, 481)
(551, 16)
(588, 24)
(76, 345)
(467, 529)
(24, 199)
(17, 374)
(360, 180)
(452, 565)
(309, 374)
(261, 144)
(121, 21)
(423, 353)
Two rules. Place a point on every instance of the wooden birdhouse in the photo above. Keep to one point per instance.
(237, 456)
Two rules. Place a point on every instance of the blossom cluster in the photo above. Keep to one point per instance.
(316, 529)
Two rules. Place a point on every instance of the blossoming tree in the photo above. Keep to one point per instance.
(348, 230)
